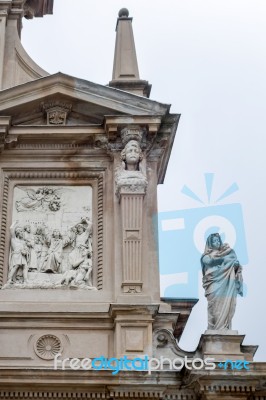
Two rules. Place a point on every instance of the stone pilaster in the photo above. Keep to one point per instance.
(131, 210)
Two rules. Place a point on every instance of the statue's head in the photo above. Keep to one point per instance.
(39, 230)
(27, 228)
(132, 153)
(19, 232)
(80, 228)
(214, 241)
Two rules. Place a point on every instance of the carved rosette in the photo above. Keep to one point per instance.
(47, 346)
(56, 112)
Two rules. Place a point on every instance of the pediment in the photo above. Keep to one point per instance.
(85, 103)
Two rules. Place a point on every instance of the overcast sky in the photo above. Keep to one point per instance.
(207, 59)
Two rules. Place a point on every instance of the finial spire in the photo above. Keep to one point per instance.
(125, 69)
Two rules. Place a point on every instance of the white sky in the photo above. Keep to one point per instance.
(207, 59)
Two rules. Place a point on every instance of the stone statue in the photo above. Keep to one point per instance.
(131, 174)
(19, 254)
(132, 156)
(222, 281)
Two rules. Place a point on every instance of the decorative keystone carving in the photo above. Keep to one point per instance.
(56, 112)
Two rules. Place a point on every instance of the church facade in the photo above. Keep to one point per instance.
(80, 308)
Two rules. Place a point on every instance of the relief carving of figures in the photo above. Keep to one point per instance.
(19, 254)
(53, 257)
(41, 248)
(81, 235)
(222, 281)
(80, 258)
(131, 174)
(42, 199)
(80, 275)
(30, 243)
(51, 247)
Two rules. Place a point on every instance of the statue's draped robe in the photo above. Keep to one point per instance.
(222, 280)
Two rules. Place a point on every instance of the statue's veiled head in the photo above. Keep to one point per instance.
(214, 241)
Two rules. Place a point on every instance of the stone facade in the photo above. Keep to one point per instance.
(79, 167)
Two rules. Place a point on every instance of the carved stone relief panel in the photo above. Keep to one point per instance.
(51, 243)
(56, 112)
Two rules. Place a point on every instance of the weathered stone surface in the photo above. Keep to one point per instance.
(67, 134)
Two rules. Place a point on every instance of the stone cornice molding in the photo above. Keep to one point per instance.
(82, 90)
(5, 7)
(133, 309)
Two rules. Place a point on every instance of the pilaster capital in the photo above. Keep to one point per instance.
(116, 125)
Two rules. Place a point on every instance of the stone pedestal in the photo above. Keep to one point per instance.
(224, 345)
